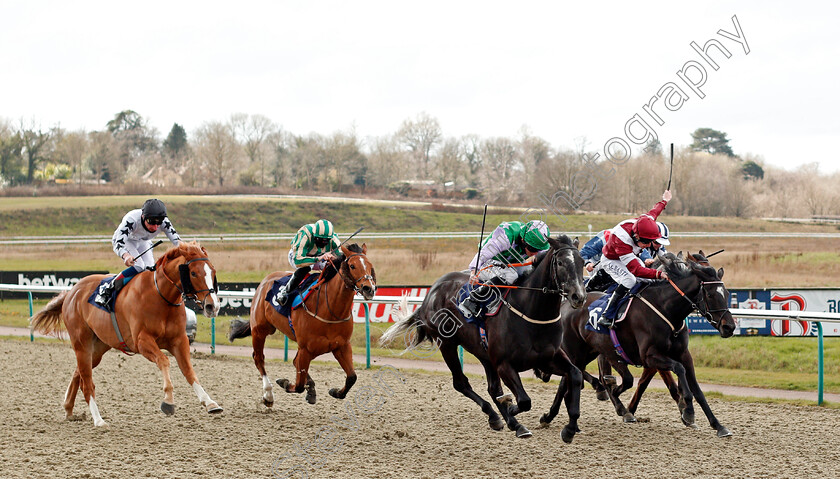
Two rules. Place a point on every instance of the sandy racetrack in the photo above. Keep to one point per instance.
(422, 429)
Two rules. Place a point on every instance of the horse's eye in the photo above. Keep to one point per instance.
(352, 266)
(192, 273)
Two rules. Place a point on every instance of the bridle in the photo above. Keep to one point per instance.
(348, 284)
(701, 302)
(186, 287)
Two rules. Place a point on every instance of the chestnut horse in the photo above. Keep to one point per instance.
(149, 317)
(324, 323)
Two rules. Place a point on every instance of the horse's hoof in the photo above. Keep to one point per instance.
(168, 409)
(601, 395)
(723, 432)
(523, 432)
(544, 421)
(505, 400)
(334, 393)
(214, 409)
(100, 423)
(310, 398)
(497, 424)
(567, 434)
(688, 420)
(629, 418)
(267, 403)
(283, 383)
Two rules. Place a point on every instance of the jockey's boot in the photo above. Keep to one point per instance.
(282, 296)
(297, 277)
(471, 305)
(107, 289)
(600, 281)
(608, 316)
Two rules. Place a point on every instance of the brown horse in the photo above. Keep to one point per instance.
(149, 317)
(323, 324)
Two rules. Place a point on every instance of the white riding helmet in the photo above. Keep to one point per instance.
(663, 234)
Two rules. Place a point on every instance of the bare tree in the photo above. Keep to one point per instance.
(420, 137)
(72, 148)
(502, 168)
(36, 145)
(217, 148)
(449, 165)
(252, 131)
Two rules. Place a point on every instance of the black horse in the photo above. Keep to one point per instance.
(526, 333)
(654, 338)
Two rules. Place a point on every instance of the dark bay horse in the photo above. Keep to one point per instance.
(524, 334)
(657, 343)
(150, 316)
(323, 324)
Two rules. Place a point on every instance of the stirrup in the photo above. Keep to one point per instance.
(606, 322)
(104, 294)
(469, 308)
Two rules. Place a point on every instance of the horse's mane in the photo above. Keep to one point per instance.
(561, 240)
(678, 268)
(184, 248)
(331, 269)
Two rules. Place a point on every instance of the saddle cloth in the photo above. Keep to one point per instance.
(597, 307)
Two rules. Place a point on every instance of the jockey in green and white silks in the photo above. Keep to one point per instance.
(134, 236)
(510, 243)
(313, 245)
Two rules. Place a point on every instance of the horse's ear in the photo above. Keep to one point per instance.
(345, 251)
(701, 253)
(576, 242)
(364, 248)
(680, 255)
(720, 273)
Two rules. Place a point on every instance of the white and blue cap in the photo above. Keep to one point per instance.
(663, 234)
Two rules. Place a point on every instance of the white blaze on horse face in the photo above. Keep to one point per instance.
(720, 290)
(208, 278)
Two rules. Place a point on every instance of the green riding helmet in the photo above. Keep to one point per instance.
(323, 229)
(535, 234)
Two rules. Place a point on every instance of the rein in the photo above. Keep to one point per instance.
(554, 281)
(701, 295)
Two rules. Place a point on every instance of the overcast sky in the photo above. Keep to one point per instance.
(566, 70)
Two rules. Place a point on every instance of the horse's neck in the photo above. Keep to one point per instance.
(166, 288)
(531, 301)
(336, 294)
(676, 306)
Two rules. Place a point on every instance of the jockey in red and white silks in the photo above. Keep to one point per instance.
(620, 255)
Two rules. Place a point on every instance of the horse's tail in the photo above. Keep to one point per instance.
(48, 320)
(407, 325)
(239, 328)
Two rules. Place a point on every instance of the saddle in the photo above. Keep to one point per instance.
(112, 300)
(296, 297)
(597, 307)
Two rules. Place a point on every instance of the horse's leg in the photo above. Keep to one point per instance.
(615, 391)
(523, 402)
(344, 355)
(665, 363)
(258, 335)
(546, 418)
(449, 351)
(301, 363)
(605, 378)
(644, 380)
(311, 396)
(573, 378)
(181, 351)
(147, 346)
(99, 349)
(84, 366)
(688, 362)
(70, 395)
